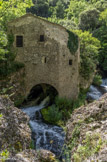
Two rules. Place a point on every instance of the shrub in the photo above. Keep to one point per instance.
(32, 145)
(58, 113)
(61, 111)
(4, 155)
(1, 115)
(89, 47)
(52, 114)
(97, 80)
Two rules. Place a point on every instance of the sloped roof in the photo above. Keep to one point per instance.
(37, 17)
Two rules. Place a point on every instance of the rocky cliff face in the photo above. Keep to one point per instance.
(87, 132)
(15, 133)
(15, 136)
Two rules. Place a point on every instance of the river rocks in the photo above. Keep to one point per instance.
(15, 134)
(87, 132)
(33, 156)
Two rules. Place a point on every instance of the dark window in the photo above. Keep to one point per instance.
(41, 38)
(70, 62)
(19, 41)
(45, 60)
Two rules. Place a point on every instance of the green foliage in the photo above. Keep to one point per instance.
(72, 42)
(65, 107)
(91, 145)
(1, 115)
(58, 113)
(49, 8)
(89, 19)
(11, 9)
(32, 146)
(81, 98)
(7, 63)
(8, 11)
(88, 52)
(19, 100)
(61, 111)
(68, 24)
(97, 80)
(75, 137)
(103, 16)
(52, 114)
(75, 8)
(59, 9)
(3, 44)
(99, 5)
(40, 8)
(4, 155)
(101, 34)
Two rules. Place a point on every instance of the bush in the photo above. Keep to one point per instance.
(81, 99)
(97, 80)
(52, 114)
(4, 155)
(63, 108)
(89, 47)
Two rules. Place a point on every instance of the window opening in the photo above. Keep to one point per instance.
(19, 41)
(42, 38)
(45, 60)
(70, 62)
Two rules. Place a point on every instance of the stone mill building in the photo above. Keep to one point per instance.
(43, 48)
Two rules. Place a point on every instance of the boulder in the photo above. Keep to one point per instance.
(87, 132)
(15, 134)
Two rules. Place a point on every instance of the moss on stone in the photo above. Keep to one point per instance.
(72, 42)
(91, 145)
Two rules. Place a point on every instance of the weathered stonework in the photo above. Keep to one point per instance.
(46, 61)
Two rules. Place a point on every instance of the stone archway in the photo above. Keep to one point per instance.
(40, 91)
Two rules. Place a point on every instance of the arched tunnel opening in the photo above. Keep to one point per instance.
(39, 92)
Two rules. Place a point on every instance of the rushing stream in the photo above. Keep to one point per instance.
(52, 137)
(45, 136)
(95, 92)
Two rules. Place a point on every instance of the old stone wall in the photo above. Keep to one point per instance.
(46, 61)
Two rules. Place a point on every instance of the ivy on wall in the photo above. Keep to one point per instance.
(72, 42)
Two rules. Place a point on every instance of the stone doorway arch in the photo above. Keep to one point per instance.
(41, 91)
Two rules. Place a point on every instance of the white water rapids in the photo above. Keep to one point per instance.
(95, 92)
(45, 136)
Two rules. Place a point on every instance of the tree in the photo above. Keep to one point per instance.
(3, 44)
(75, 8)
(59, 9)
(89, 46)
(9, 10)
(89, 19)
(40, 8)
(103, 16)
